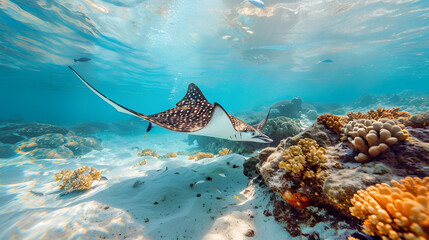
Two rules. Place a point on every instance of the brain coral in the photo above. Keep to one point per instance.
(304, 158)
(332, 122)
(372, 137)
(380, 113)
(395, 212)
(79, 179)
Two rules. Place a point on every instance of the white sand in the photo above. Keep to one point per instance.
(162, 206)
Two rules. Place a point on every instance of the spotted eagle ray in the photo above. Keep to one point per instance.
(195, 115)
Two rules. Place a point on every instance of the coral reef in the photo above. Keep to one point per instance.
(344, 177)
(147, 152)
(332, 122)
(394, 212)
(225, 151)
(56, 145)
(200, 156)
(373, 137)
(380, 113)
(39, 141)
(79, 179)
(304, 159)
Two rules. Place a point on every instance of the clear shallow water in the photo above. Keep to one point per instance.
(145, 53)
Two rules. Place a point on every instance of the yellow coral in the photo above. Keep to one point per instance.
(303, 157)
(332, 122)
(200, 156)
(225, 151)
(171, 155)
(79, 179)
(395, 212)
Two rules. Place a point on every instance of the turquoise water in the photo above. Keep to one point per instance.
(303, 58)
(145, 53)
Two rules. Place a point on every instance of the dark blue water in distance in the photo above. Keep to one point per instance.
(145, 53)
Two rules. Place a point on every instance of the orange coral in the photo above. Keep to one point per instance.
(395, 212)
(225, 151)
(79, 179)
(332, 122)
(200, 156)
(296, 199)
(380, 113)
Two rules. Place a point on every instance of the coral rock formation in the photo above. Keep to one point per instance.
(56, 145)
(373, 137)
(79, 179)
(332, 122)
(417, 121)
(395, 212)
(200, 156)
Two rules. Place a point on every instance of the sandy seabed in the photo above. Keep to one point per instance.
(151, 201)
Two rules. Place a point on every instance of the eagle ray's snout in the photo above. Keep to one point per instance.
(264, 138)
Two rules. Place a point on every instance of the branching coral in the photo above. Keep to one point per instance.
(380, 113)
(372, 137)
(225, 151)
(147, 152)
(200, 156)
(304, 158)
(395, 212)
(79, 179)
(332, 122)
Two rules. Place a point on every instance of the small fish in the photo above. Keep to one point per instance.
(258, 3)
(195, 184)
(103, 178)
(221, 174)
(135, 148)
(84, 59)
(106, 146)
(149, 127)
(217, 189)
(325, 61)
(238, 197)
(145, 136)
(36, 193)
